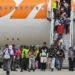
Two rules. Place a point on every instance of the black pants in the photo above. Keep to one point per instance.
(1, 64)
(69, 11)
(67, 28)
(71, 64)
(27, 63)
(55, 29)
(43, 66)
(19, 62)
(13, 65)
(24, 63)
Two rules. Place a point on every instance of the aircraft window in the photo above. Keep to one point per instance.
(10, 8)
(21, 7)
(17, 38)
(16, 8)
(12, 38)
(26, 7)
(0, 8)
(36, 8)
(42, 7)
(32, 7)
(7, 38)
(5, 7)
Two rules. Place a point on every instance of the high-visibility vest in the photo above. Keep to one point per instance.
(25, 53)
(54, 5)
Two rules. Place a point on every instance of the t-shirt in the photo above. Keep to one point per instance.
(7, 53)
(18, 53)
(54, 5)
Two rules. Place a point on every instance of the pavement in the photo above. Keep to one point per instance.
(38, 72)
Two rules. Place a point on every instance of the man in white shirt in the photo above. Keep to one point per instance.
(7, 55)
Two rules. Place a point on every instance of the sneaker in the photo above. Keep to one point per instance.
(21, 70)
(33, 69)
(52, 69)
(7, 73)
(29, 70)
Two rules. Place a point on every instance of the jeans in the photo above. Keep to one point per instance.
(7, 63)
(31, 63)
(58, 62)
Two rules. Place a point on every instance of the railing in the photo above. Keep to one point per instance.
(71, 29)
(50, 17)
(52, 28)
(49, 9)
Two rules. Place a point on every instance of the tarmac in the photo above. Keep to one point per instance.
(38, 72)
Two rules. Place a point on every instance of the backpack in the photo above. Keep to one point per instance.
(8, 53)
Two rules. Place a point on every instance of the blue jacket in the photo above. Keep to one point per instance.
(67, 22)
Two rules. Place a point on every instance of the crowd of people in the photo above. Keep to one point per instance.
(62, 13)
(62, 20)
(31, 57)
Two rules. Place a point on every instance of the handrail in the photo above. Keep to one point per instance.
(49, 9)
(52, 28)
(71, 29)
